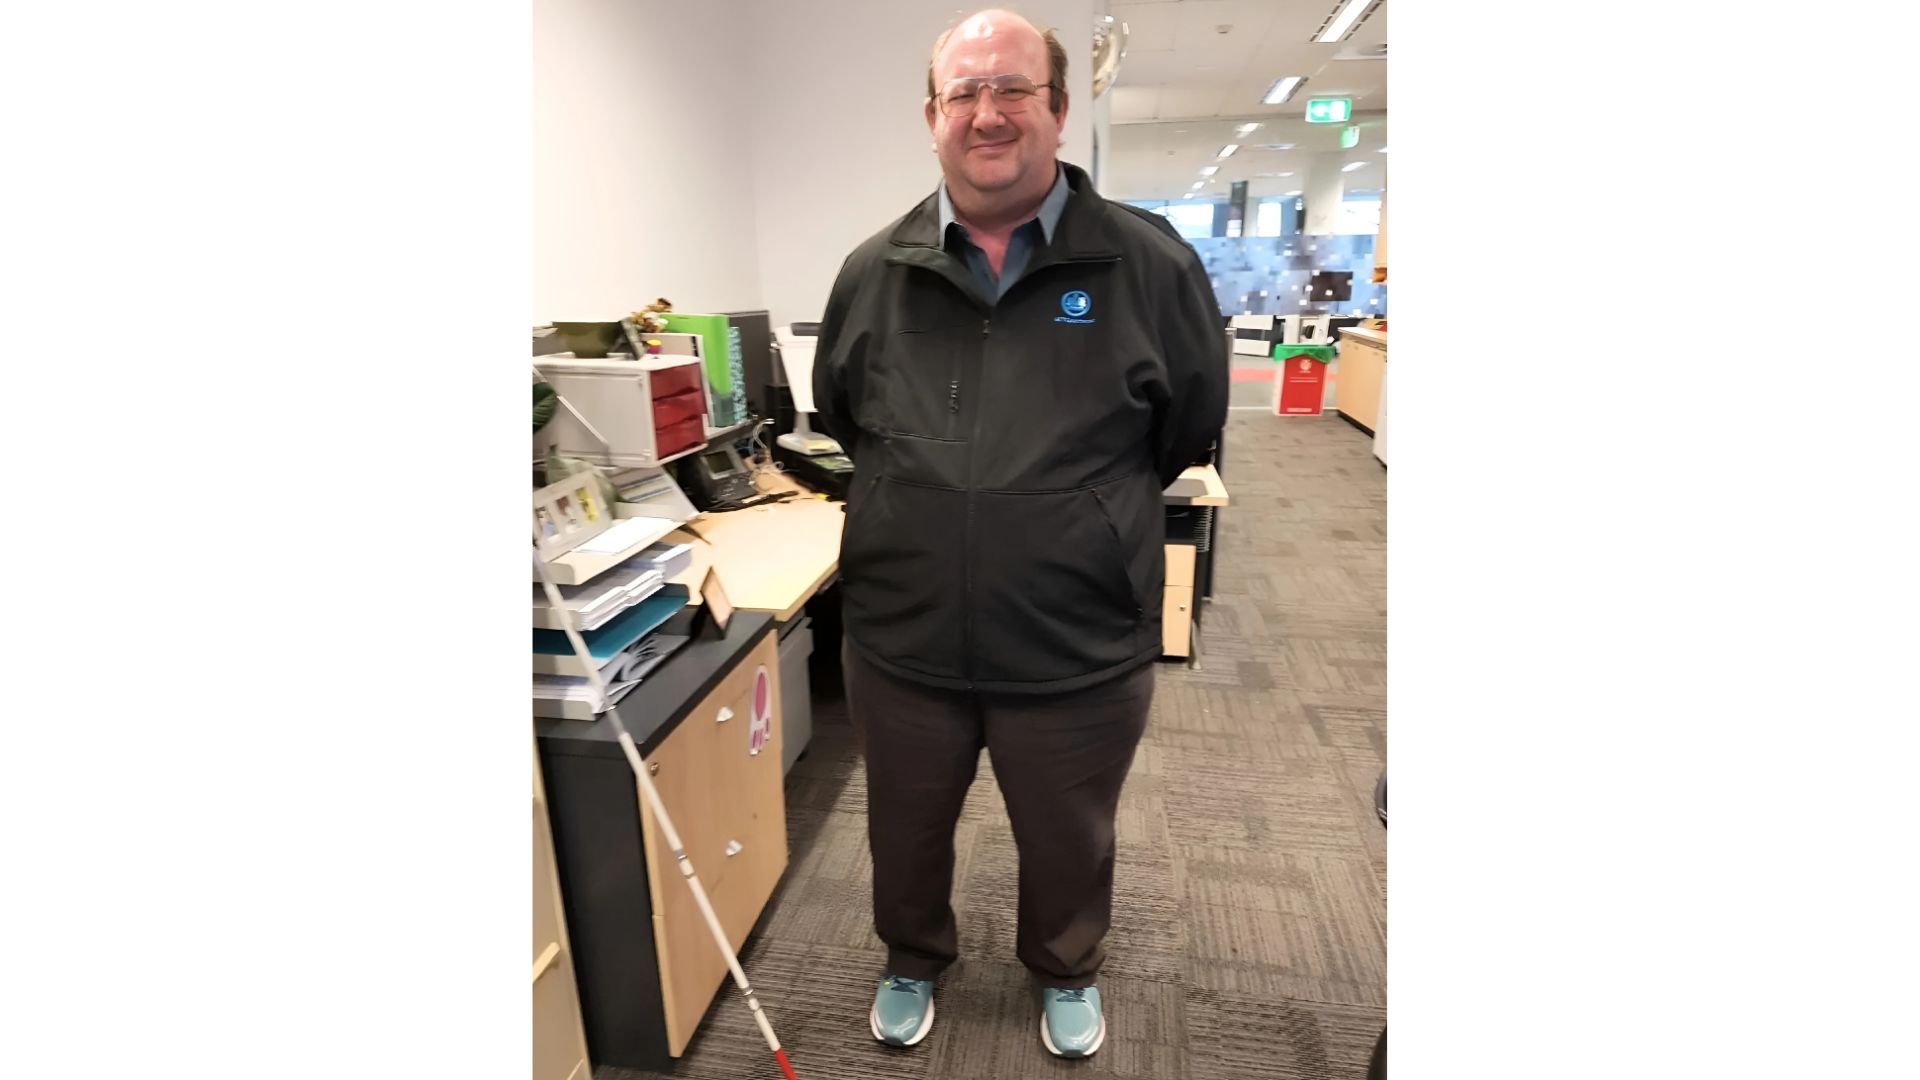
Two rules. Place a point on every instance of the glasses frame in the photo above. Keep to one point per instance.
(985, 82)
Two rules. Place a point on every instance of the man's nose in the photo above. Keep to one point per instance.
(987, 113)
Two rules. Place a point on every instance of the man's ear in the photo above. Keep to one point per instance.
(930, 114)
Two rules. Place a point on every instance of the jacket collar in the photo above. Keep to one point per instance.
(1083, 232)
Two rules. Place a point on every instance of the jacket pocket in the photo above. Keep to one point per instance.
(902, 598)
(922, 373)
(1055, 596)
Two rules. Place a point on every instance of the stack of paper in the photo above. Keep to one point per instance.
(573, 696)
(669, 559)
(617, 645)
(595, 604)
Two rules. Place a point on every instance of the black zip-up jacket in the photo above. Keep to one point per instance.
(1005, 528)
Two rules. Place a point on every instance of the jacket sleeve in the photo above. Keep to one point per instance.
(1193, 345)
(834, 386)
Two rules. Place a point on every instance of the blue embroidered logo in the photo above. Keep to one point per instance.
(1075, 304)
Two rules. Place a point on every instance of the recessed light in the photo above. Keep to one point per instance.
(1246, 129)
(1290, 195)
(1276, 146)
(1198, 184)
(1227, 150)
(1209, 170)
(1353, 166)
(1343, 20)
(1383, 149)
(1282, 89)
(1189, 195)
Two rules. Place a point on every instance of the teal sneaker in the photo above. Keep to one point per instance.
(902, 1011)
(1071, 1024)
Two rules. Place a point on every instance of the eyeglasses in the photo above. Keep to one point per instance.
(1011, 93)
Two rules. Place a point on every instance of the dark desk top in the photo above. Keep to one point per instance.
(657, 705)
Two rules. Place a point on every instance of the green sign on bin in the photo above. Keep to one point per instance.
(1322, 353)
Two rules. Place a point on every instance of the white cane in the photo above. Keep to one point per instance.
(660, 812)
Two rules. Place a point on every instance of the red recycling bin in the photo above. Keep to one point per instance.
(1300, 386)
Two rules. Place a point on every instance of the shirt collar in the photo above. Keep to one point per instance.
(1048, 215)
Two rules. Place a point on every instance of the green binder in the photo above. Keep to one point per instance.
(719, 356)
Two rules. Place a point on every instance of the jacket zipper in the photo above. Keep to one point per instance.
(966, 550)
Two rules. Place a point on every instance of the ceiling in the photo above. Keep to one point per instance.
(1184, 87)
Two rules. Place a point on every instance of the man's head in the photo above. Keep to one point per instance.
(993, 147)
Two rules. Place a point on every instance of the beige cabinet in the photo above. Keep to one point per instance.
(727, 802)
(1356, 389)
(1176, 613)
(559, 1043)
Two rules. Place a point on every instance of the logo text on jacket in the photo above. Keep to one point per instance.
(1076, 304)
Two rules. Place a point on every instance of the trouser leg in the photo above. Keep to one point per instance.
(1060, 761)
(922, 746)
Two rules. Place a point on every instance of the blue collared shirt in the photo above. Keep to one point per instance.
(1029, 237)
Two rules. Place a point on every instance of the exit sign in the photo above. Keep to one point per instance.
(1333, 110)
(1349, 138)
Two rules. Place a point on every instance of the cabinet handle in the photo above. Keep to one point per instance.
(653, 768)
(1183, 607)
(726, 714)
(734, 847)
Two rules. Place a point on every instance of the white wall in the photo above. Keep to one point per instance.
(693, 149)
(642, 177)
(833, 172)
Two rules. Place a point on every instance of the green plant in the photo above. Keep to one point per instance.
(544, 402)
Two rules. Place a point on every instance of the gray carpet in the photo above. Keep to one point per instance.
(1249, 931)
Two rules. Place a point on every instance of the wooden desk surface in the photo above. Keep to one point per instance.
(1199, 485)
(771, 558)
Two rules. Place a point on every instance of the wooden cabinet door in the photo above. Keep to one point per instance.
(1176, 621)
(683, 770)
(756, 814)
(559, 1041)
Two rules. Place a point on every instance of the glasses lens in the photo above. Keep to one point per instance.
(1012, 92)
(960, 97)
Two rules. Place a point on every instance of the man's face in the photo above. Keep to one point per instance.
(991, 152)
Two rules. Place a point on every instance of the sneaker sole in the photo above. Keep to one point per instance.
(1047, 1040)
(926, 1026)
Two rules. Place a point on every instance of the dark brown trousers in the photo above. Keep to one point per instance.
(1060, 760)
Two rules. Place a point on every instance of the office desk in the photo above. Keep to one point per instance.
(1193, 501)
(646, 964)
(774, 558)
(771, 558)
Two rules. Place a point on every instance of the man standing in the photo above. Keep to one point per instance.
(1018, 368)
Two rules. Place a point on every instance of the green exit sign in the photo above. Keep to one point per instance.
(1349, 138)
(1332, 110)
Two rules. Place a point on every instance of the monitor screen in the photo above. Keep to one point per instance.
(1331, 285)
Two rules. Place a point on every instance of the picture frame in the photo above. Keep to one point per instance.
(716, 610)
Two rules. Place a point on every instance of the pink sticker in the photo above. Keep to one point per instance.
(762, 728)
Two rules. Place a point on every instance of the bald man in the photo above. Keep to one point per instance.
(1018, 368)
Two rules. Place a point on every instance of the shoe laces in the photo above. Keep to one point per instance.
(905, 986)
